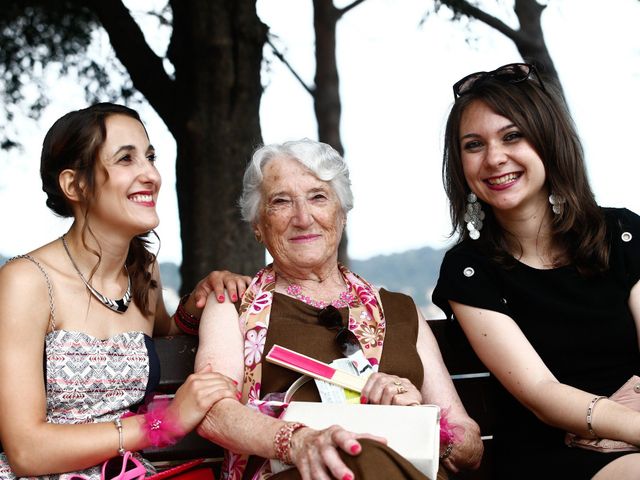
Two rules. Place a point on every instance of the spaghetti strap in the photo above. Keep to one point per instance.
(52, 307)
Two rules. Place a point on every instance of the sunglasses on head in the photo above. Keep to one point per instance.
(125, 467)
(511, 73)
(330, 317)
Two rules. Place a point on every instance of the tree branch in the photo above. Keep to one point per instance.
(282, 58)
(144, 66)
(344, 10)
(465, 8)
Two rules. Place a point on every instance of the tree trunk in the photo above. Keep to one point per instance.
(326, 98)
(216, 48)
(529, 39)
(531, 44)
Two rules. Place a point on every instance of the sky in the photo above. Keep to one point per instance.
(396, 75)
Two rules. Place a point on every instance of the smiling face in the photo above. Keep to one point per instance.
(300, 219)
(500, 165)
(127, 181)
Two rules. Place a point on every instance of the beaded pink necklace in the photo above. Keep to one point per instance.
(345, 299)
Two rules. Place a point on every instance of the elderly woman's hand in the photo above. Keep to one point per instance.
(315, 452)
(217, 281)
(384, 389)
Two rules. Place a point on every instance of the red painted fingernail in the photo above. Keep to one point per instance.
(234, 381)
(363, 399)
(221, 298)
(346, 476)
(238, 395)
(234, 297)
(355, 448)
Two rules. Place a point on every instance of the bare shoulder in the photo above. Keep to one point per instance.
(24, 289)
(26, 268)
(21, 272)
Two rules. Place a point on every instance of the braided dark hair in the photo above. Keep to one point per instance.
(74, 142)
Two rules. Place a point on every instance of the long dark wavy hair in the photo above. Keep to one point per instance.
(543, 119)
(74, 142)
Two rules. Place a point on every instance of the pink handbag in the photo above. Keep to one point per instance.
(627, 395)
(126, 467)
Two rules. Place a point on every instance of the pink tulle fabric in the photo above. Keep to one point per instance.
(161, 427)
(449, 432)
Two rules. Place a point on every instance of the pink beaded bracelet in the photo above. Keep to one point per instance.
(282, 441)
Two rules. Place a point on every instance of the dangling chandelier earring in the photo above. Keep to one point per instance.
(474, 216)
(557, 203)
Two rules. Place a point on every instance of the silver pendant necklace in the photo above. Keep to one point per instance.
(119, 306)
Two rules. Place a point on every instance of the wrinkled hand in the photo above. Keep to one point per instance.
(199, 392)
(315, 452)
(384, 389)
(217, 281)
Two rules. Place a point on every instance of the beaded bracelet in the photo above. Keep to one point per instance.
(118, 423)
(447, 451)
(282, 441)
(185, 321)
(590, 408)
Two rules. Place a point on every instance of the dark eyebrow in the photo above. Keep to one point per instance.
(130, 148)
(124, 148)
(502, 129)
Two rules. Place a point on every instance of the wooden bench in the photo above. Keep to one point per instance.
(470, 377)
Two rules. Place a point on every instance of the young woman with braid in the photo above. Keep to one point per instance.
(80, 311)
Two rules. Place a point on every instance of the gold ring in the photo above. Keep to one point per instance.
(401, 390)
(397, 383)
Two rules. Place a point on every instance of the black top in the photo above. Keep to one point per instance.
(580, 326)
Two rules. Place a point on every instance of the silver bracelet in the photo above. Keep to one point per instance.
(590, 408)
(118, 423)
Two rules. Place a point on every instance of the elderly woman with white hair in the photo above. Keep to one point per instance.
(296, 197)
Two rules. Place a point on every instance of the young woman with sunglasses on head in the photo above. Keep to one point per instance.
(79, 312)
(296, 196)
(543, 281)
